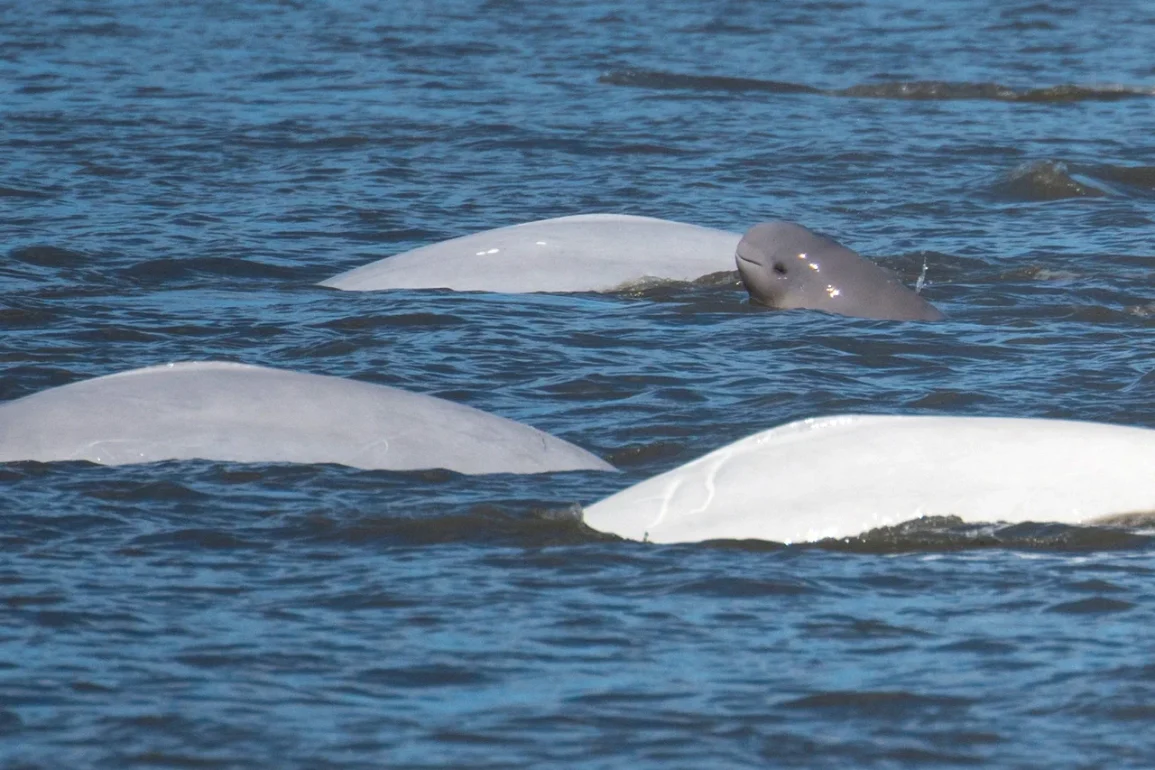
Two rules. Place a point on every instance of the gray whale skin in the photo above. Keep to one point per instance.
(784, 265)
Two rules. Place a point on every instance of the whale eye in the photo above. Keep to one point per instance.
(779, 268)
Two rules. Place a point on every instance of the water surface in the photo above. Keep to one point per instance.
(174, 180)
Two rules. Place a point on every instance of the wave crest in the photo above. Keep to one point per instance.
(915, 90)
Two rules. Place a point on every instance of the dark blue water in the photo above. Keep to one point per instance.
(174, 179)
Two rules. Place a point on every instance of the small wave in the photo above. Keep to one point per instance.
(1141, 311)
(940, 534)
(949, 533)
(13, 192)
(165, 270)
(1095, 605)
(541, 527)
(743, 587)
(932, 90)
(423, 676)
(1124, 180)
(49, 256)
(641, 454)
(200, 538)
(877, 703)
(1140, 176)
(915, 90)
(374, 321)
(104, 29)
(672, 80)
(10, 722)
(1045, 180)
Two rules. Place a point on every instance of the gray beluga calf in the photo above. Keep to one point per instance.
(234, 412)
(587, 252)
(844, 475)
(784, 265)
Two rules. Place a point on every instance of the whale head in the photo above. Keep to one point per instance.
(786, 266)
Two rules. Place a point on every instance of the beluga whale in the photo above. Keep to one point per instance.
(214, 410)
(784, 265)
(844, 475)
(582, 253)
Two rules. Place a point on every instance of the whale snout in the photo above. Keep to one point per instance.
(749, 261)
(778, 267)
(764, 275)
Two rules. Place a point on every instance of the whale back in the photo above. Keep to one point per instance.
(588, 252)
(784, 265)
(234, 412)
(841, 476)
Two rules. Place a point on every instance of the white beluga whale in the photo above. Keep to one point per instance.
(234, 412)
(587, 252)
(842, 476)
(784, 265)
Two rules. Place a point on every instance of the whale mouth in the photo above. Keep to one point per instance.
(747, 260)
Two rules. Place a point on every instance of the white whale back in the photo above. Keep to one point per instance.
(234, 412)
(832, 477)
(588, 252)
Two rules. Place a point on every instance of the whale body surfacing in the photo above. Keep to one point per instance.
(234, 412)
(784, 265)
(842, 476)
(587, 252)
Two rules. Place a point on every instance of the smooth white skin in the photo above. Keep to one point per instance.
(832, 477)
(234, 412)
(588, 252)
